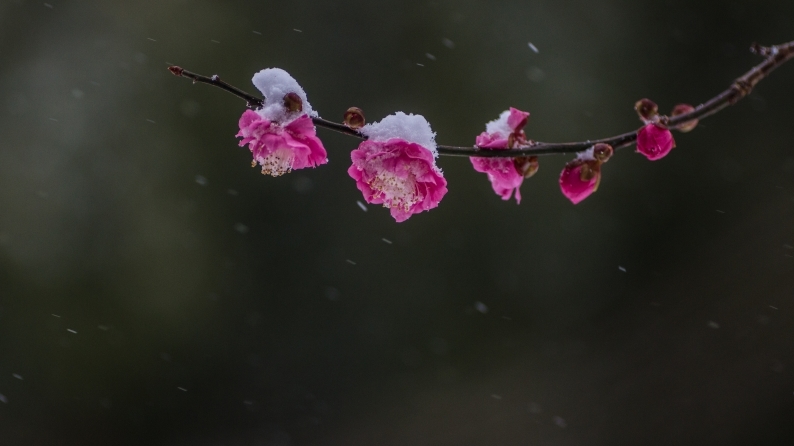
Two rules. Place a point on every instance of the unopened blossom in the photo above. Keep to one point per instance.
(581, 177)
(505, 174)
(681, 109)
(654, 142)
(281, 135)
(396, 166)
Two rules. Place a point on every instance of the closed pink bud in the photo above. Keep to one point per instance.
(654, 142)
(579, 179)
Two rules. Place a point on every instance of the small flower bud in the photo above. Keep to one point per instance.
(681, 109)
(526, 165)
(293, 102)
(579, 179)
(646, 108)
(354, 118)
(654, 142)
(602, 152)
(175, 70)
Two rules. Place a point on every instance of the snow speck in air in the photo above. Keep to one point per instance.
(56, 315)
(297, 30)
(559, 421)
(419, 64)
(149, 38)
(214, 41)
(773, 307)
(231, 192)
(3, 399)
(387, 241)
(257, 33)
(410, 127)
(151, 121)
(496, 397)
(351, 262)
(103, 327)
(622, 269)
(275, 83)
(77, 93)
(430, 56)
(201, 180)
(448, 43)
(721, 212)
(48, 5)
(182, 389)
(713, 325)
(17, 376)
(71, 331)
(241, 228)
(53, 119)
(533, 47)
(481, 307)
(361, 205)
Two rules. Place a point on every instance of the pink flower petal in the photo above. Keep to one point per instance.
(517, 119)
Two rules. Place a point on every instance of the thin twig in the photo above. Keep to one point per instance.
(774, 57)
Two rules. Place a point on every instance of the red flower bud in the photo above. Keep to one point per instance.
(646, 108)
(654, 142)
(293, 102)
(526, 165)
(602, 152)
(681, 109)
(354, 118)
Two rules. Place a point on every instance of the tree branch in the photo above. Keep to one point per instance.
(774, 57)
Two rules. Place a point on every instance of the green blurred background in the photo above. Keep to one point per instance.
(156, 290)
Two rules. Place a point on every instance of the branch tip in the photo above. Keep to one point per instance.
(175, 70)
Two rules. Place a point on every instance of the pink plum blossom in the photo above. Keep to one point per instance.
(501, 134)
(399, 174)
(654, 142)
(280, 148)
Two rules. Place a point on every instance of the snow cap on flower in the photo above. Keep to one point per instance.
(654, 142)
(275, 84)
(505, 174)
(281, 135)
(396, 166)
(581, 177)
(411, 128)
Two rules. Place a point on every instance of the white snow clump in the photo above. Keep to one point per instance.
(499, 126)
(275, 83)
(412, 128)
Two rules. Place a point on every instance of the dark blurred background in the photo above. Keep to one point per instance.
(156, 290)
